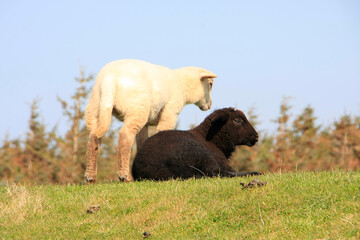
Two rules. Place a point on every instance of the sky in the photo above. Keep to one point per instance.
(261, 51)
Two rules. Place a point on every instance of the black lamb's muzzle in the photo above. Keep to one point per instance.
(252, 140)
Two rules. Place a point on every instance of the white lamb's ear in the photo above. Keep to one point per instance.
(207, 74)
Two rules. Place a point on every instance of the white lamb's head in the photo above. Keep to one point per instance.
(203, 91)
(197, 84)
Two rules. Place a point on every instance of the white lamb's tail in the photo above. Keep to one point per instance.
(98, 112)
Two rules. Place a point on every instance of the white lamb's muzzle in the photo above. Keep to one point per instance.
(205, 107)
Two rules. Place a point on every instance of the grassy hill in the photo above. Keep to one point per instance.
(321, 205)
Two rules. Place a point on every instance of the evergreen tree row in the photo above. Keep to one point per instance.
(301, 145)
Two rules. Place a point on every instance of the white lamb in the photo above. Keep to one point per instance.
(140, 94)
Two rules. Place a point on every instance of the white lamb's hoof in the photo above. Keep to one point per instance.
(89, 180)
(124, 178)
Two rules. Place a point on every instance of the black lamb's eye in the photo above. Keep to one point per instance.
(239, 121)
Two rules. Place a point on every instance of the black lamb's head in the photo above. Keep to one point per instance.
(236, 125)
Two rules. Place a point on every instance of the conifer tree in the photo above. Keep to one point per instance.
(346, 143)
(75, 141)
(11, 159)
(282, 151)
(324, 155)
(304, 139)
(37, 157)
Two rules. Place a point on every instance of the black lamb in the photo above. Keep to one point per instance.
(202, 151)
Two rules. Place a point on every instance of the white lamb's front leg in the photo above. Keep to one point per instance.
(168, 119)
(132, 126)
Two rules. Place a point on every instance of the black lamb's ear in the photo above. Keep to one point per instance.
(219, 119)
(216, 123)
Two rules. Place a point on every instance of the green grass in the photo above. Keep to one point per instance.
(321, 205)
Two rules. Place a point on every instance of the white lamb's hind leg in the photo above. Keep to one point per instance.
(93, 149)
(142, 136)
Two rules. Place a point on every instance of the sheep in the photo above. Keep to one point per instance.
(202, 151)
(140, 94)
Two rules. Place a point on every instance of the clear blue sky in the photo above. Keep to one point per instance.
(261, 51)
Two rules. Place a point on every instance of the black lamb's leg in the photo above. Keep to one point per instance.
(243, 174)
(224, 173)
